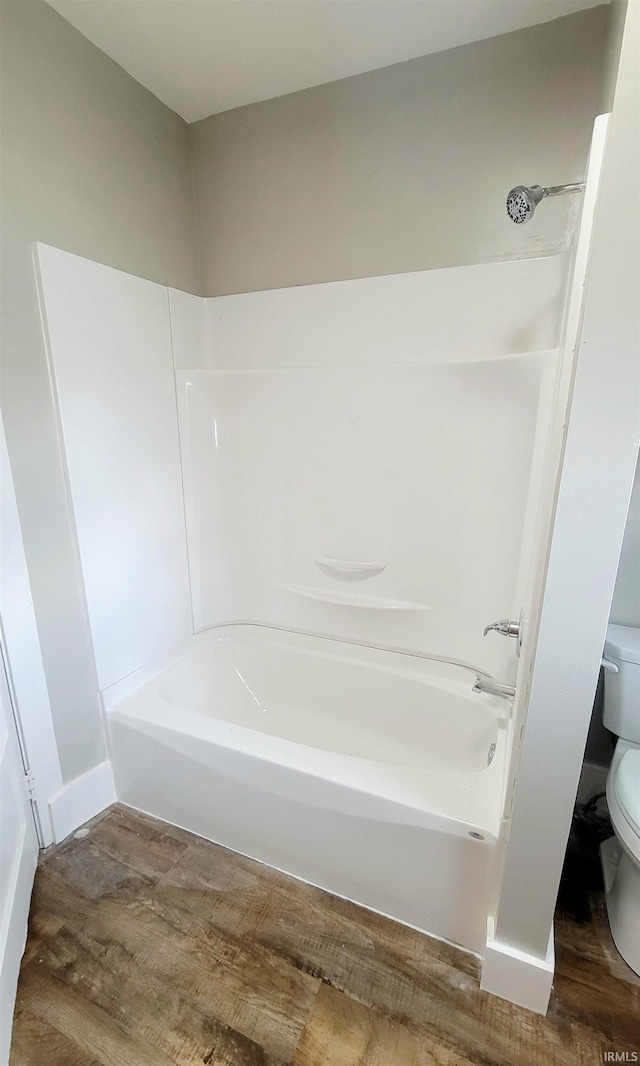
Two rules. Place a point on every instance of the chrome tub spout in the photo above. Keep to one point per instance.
(494, 688)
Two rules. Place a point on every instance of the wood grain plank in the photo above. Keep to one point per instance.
(592, 942)
(243, 986)
(148, 945)
(175, 831)
(345, 1033)
(92, 873)
(165, 1015)
(414, 980)
(221, 888)
(138, 843)
(31, 1032)
(93, 1032)
(585, 991)
(42, 927)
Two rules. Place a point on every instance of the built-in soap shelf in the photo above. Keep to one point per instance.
(350, 599)
(348, 569)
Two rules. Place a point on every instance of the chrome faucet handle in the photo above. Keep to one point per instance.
(506, 626)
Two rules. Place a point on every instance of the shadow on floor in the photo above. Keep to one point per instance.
(582, 873)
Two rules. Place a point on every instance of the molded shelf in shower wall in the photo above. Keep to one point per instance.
(349, 599)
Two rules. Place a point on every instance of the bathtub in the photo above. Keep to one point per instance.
(376, 775)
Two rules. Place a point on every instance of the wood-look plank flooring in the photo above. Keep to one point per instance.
(151, 947)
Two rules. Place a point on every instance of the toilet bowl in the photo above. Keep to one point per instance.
(620, 854)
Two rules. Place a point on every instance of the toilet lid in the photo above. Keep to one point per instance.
(626, 785)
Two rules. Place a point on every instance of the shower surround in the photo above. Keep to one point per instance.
(296, 512)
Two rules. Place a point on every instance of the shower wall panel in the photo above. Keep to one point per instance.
(460, 313)
(384, 499)
(109, 343)
(359, 459)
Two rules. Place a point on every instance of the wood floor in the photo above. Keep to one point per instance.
(151, 947)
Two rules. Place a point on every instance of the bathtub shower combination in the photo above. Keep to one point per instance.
(296, 512)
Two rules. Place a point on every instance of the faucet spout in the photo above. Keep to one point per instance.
(494, 688)
(506, 626)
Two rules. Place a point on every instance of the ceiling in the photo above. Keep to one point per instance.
(204, 56)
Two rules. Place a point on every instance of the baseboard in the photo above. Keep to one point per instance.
(515, 975)
(81, 799)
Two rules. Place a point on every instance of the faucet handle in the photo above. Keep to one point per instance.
(506, 626)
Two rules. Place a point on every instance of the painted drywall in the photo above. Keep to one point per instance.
(93, 163)
(202, 58)
(404, 168)
(625, 610)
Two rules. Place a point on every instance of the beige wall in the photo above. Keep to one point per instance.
(403, 168)
(625, 610)
(93, 163)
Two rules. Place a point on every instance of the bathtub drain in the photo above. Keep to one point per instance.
(491, 753)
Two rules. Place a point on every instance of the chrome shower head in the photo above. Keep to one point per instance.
(523, 200)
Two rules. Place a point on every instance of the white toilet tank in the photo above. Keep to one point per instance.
(622, 689)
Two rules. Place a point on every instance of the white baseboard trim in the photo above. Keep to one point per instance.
(515, 975)
(81, 799)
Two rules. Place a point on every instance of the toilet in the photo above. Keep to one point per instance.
(620, 854)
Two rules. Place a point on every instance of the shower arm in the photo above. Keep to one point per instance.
(558, 190)
(523, 199)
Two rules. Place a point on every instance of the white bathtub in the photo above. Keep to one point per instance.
(376, 775)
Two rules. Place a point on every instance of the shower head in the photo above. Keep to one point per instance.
(522, 200)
